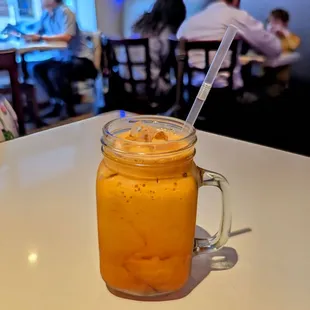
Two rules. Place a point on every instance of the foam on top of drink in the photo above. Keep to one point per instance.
(146, 139)
(145, 133)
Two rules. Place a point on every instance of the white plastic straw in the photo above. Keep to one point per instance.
(212, 73)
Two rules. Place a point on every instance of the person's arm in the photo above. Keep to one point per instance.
(39, 29)
(56, 38)
(254, 33)
(48, 38)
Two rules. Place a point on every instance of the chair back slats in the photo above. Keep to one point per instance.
(130, 71)
(148, 60)
(172, 57)
(207, 48)
(131, 64)
(186, 71)
(94, 40)
(105, 63)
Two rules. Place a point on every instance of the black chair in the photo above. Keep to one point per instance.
(130, 93)
(220, 101)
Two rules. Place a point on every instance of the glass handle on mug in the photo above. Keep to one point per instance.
(216, 242)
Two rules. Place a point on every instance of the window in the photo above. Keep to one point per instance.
(22, 7)
(70, 3)
(25, 8)
(4, 10)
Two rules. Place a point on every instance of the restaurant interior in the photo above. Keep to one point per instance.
(117, 191)
(251, 114)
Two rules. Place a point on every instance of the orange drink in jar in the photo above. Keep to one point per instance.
(147, 191)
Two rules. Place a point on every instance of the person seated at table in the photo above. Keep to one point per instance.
(278, 24)
(58, 23)
(160, 24)
(211, 24)
(278, 78)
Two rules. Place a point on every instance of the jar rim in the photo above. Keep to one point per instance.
(114, 127)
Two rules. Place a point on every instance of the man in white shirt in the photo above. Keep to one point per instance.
(211, 24)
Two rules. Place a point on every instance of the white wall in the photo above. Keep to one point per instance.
(115, 17)
(109, 16)
(86, 14)
(134, 8)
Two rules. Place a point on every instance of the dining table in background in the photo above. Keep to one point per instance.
(22, 48)
(26, 47)
(48, 231)
(253, 64)
(283, 60)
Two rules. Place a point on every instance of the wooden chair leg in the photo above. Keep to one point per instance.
(33, 106)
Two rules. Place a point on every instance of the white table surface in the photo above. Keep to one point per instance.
(48, 233)
(23, 47)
